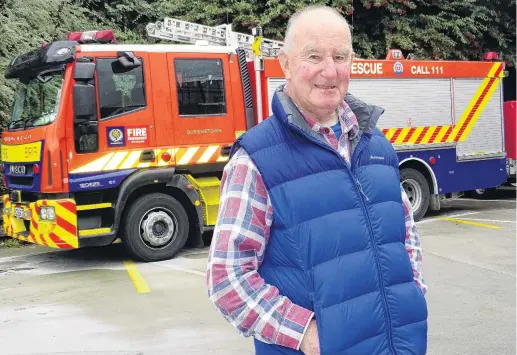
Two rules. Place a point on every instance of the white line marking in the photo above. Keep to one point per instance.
(473, 199)
(179, 268)
(488, 220)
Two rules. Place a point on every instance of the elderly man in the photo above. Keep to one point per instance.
(315, 249)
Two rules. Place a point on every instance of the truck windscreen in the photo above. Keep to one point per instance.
(36, 103)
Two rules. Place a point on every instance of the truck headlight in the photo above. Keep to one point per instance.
(47, 213)
(7, 211)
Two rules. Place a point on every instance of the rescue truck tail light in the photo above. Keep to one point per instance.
(103, 36)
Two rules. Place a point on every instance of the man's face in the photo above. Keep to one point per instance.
(317, 66)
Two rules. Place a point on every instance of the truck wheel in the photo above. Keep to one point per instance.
(482, 193)
(156, 227)
(417, 190)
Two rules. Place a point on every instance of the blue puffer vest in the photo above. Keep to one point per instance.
(337, 239)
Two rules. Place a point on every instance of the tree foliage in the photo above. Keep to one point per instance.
(25, 25)
(430, 29)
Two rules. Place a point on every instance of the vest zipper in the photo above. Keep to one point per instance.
(359, 187)
(374, 245)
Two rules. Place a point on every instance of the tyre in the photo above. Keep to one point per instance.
(417, 189)
(156, 227)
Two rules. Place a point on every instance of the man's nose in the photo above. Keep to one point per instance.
(329, 68)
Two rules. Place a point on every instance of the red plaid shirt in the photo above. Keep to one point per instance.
(240, 239)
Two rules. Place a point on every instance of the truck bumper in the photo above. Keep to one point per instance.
(51, 223)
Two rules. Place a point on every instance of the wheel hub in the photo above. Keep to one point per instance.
(413, 192)
(158, 228)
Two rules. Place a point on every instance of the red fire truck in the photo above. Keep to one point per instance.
(129, 141)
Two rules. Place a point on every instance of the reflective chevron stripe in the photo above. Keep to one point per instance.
(131, 159)
(61, 234)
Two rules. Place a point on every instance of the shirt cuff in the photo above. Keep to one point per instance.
(305, 330)
(294, 326)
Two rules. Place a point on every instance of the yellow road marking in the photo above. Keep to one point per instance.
(135, 275)
(469, 222)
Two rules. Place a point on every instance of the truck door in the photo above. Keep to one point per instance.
(125, 137)
(202, 110)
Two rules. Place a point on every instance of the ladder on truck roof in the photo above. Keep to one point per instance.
(176, 30)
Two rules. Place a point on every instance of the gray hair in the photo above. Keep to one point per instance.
(288, 40)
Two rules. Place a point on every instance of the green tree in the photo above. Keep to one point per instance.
(430, 29)
(25, 25)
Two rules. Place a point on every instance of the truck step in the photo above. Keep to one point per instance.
(209, 189)
(94, 232)
(94, 206)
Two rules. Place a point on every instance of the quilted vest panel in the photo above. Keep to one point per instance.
(337, 240)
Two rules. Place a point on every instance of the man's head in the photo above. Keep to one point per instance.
(316, 60)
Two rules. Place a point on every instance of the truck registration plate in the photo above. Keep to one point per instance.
(17, 170)
(18, 212)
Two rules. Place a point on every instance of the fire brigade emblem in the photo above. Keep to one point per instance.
(398, 68)
(115, 136)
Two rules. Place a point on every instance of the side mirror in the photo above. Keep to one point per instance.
(86, 129)
(84, 71)
(85, 107)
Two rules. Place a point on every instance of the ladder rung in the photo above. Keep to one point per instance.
(177, 30)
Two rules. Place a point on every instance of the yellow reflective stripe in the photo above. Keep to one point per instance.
(65, 214)
(65, 236)
(37, 238)
(50, 242)
(415, 135)
(95, 165)
(90, 232)
(94, 206)
(115, 161)
(131, 160)
(390, 134)
(189, 154)
(480, 109)
(441, 134)
(208, 153)
(428, 135)
(402, 135)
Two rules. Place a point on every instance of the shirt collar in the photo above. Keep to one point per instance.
(346, 117)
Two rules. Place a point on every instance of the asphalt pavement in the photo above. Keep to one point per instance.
(96, 301)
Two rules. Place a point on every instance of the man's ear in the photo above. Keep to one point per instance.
(284, 63)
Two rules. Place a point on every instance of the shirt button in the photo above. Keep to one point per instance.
(327, 131)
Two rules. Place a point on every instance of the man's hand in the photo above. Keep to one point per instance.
(310, 342)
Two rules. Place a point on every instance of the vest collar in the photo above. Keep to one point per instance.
(284, 109)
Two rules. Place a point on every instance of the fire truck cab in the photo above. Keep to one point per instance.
(112, 140)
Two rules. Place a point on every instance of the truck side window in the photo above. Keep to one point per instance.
(200, 87)
(120, 90)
